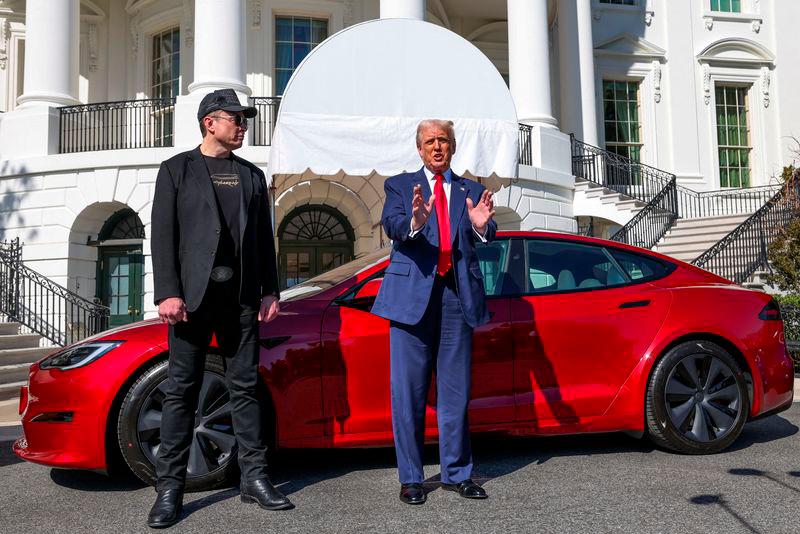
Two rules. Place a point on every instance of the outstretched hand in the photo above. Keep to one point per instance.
(420, 210)
(481, 213)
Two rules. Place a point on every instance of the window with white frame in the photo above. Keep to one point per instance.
(733, 135)
(166, 75)
(294, 39)
(727, 6)
(621, 118)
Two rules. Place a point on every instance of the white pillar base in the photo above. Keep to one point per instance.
(28, 132)
(207, 86)
(46, 99)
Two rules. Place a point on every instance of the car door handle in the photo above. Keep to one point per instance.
(634, 304)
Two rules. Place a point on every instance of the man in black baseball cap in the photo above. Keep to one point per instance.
(226, 100)
(214, 273)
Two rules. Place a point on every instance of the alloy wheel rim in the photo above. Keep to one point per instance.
(213, 441)
(702, 397)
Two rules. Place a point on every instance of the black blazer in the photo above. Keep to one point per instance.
(186, 230)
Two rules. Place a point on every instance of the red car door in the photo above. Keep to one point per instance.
(584, 322)
(355, 370)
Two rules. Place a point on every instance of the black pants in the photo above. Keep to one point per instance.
(236, 328)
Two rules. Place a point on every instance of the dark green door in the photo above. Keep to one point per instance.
(121, 276)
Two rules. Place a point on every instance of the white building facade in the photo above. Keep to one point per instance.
(96, 93)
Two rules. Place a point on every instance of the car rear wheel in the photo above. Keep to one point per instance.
(212, 453)
(697, 401)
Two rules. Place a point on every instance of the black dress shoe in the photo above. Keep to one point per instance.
(167, 508)
(467, 489)
(412, 493)
(264, 494)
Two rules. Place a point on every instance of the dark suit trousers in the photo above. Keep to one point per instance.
(236, 328)
(442, 340)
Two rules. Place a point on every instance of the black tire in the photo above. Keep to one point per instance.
(139, 428)
(697, 401)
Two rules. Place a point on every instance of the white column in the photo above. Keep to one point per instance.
(219, 46)
(52, 33)
(529, 61)
(576, 70)
(403, 9)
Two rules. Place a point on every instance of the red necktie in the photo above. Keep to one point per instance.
(443, 218)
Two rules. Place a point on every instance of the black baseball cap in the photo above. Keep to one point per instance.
(226, 100)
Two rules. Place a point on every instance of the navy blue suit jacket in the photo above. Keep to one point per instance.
(408, 282)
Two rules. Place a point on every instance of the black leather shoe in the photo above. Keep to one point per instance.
(467, 489)
(264, 494)
(412, 493)
(167, 508)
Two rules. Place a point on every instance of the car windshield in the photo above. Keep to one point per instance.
(335, 276)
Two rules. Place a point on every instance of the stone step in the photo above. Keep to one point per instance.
(14, 373)
(8, 329)
(734, 220)
(25, 355)
(631, 204)
(688, 239)
(19, 341)
(11, 390)
(709, 228)
(611, 198)
(598, 192)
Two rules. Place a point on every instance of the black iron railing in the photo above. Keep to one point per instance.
(525, 153)
(117, 125)
(695, 205)
(743, 251)
(43, 306)
(264, 123)
(654, 220)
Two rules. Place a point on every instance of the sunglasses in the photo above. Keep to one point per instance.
(238, 120)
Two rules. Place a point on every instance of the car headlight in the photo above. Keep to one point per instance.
(79, 355)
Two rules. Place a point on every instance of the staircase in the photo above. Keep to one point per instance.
(689, 238)
(603, 202)
(17, 352)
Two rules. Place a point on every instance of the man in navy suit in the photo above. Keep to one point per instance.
(433, 295)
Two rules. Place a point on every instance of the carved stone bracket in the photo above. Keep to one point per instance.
(5, 31)
(706, 84)
(135, 35)
(708, 22)
(648, 17)
(92, 38)
(765, 81)
(255, 13)
(756, 25)
(657, 81)
(349, 18)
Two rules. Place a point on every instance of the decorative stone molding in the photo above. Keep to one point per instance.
(648, 17)
(5, 31)
(657, 81)
(708, 22)
(188, 23)
(92, 41)
(706, 83)
(349, 16)
(135, 35)
(255, 14)
(756, 25)
(765, 81)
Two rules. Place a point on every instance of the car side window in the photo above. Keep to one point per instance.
(493, 260)
(559, 265)
(641, 268)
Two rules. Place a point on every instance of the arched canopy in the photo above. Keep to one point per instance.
(354, 103)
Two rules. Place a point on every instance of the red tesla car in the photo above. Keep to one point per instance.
(585, 335)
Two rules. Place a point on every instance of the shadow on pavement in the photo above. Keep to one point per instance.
(93, 481)
(719, 500)
(764, 430)
(8, 435)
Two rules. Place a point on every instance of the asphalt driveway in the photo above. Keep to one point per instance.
(606, 483)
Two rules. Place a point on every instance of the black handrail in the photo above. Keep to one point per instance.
(43, 306)
(648, 226)
(264, 123)
(744, 250)
(116, 125)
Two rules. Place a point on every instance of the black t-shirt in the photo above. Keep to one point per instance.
(229, 199)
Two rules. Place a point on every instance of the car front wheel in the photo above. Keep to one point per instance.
(697, 401)
(213, 449)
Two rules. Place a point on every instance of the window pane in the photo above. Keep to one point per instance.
(319, 31)
(569, 266)
(283, 29)
(302, 30)
(492, 258)
(301, 50)
(283, 55)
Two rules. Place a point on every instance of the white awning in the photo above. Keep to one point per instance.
(353, 105)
